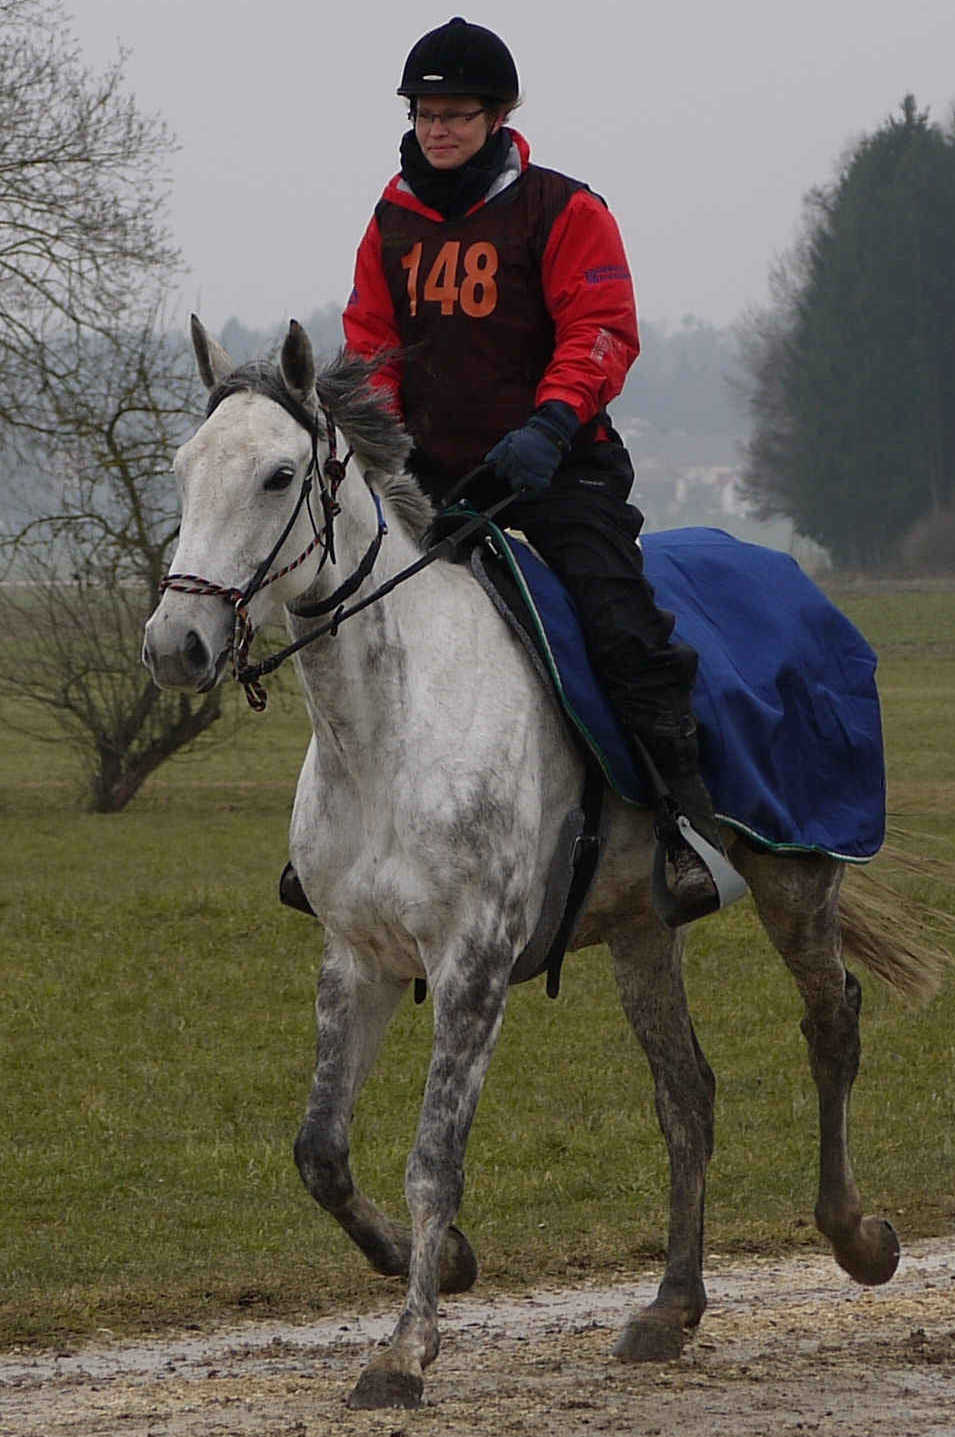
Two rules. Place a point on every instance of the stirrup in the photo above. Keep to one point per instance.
(728, 885)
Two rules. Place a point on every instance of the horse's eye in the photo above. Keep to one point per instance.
(280, 480)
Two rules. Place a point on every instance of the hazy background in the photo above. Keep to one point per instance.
(701, 124)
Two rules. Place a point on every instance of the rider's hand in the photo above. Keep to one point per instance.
(527, 457)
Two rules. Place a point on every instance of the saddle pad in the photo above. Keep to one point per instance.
(785, 697)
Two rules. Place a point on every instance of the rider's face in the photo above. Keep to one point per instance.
(452, 128)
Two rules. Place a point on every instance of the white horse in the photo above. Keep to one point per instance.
(427, 812)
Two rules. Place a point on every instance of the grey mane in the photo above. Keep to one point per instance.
(378, 437)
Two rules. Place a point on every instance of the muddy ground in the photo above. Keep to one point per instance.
(786, 1347)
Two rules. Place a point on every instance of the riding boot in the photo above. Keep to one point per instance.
(672, 746)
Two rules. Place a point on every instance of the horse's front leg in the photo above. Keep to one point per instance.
(469, 999)
(354, 1005)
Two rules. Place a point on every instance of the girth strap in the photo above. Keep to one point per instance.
(585, 858)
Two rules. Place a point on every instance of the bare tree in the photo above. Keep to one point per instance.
(83, 182)
(94, 399)
(83, 575)
(762, 380)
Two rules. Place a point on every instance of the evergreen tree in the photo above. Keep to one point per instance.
(852, 370)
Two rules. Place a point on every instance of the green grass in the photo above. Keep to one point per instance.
(157, 1043)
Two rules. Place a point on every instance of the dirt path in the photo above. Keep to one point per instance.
(785, 1347)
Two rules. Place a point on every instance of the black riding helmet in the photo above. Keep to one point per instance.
(460, 59)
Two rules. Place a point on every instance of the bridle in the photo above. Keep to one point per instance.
(330, 476)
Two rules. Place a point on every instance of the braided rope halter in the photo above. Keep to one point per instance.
(330, 477)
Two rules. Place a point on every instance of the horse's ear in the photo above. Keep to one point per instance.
(298, 365)
(214, 362)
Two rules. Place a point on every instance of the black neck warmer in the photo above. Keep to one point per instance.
(453, 192)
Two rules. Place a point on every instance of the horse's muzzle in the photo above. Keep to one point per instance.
(185, 655)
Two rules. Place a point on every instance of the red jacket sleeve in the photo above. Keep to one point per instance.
(589, 292)
(369, 318)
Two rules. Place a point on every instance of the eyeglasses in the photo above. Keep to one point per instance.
(451, 119)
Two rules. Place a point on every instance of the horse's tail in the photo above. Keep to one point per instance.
(902, 936)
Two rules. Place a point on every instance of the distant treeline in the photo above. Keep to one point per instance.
(680, 391)
(684, 380)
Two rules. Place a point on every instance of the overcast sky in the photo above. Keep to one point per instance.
(702, 125)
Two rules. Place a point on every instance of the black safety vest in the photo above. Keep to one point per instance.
(470, 311)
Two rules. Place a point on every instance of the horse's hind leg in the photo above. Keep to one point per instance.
(647, 963)
(353, 1010)
(797, 899)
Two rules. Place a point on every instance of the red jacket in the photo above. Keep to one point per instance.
(528, 297)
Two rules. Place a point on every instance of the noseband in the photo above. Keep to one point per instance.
(329, 477)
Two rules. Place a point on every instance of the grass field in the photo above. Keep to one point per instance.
(157, 1044)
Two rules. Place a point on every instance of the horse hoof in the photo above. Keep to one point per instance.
(459, 1267)
(649, 1339)
(386, 1386)
(872, 1254)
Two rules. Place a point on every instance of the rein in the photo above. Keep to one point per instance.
(443, 549)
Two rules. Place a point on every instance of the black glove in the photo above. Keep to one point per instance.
(528, 457)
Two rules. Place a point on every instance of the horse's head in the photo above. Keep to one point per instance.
(242, 480)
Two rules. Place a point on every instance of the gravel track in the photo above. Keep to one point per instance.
(788, 1346)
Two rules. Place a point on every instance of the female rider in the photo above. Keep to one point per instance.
(499, 296)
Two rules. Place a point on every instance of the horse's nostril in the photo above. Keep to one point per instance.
(195, 652)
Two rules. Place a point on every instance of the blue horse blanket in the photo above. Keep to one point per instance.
(785, 697)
